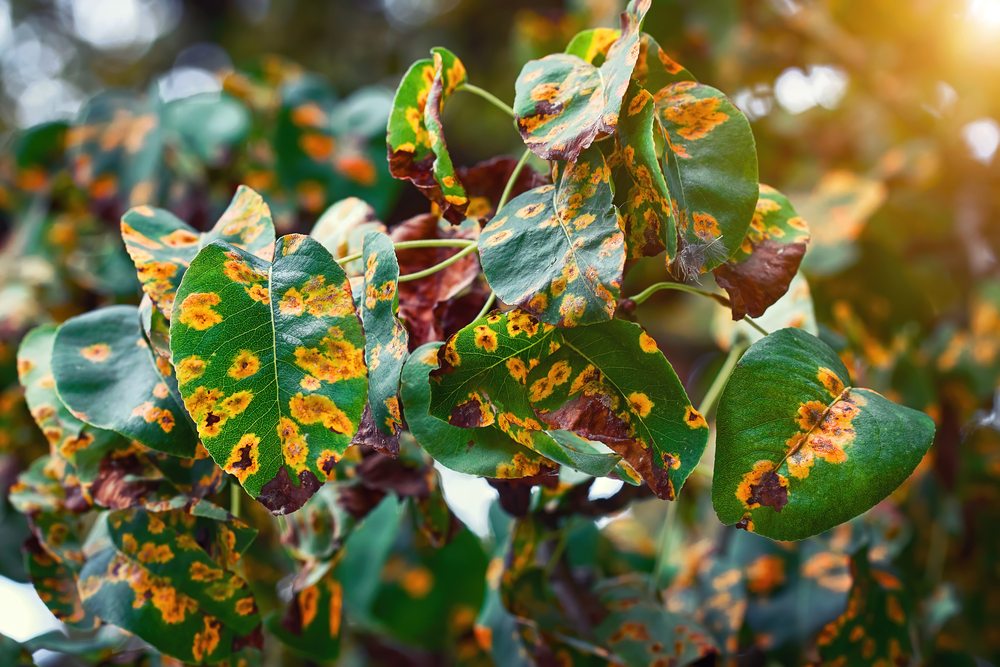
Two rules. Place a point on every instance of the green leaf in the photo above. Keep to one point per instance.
(563, 103)
(655, 70)
(155, 327)
(710, 164)
(610, 383)
(167, 577)
(592, 45)
(162, 245)
(798, 449)
(211, 125)
(417, 150)
(762, 269)
(311, 622)
(56, 585)
(385, 348)
(270, 364)
(570, 234)
(108, 376)
(486, 452)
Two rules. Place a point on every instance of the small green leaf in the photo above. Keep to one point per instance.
(762, 269)
(571, 236)
(385, 347)
(417, 150)
(710, 164)
(162, 245)
(108, 376)
(271, 365)
(592, 45)
(563, 103)
(155, 327)
(799, 450)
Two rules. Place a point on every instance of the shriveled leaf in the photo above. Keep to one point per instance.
(486, 451)
(162, 245)
(108, 376)
(164, 578)
(563, 103)
(798, 449)
(485, 182)
(417, 150)
(571, 235)
(612, 384)
(385, 347)
(710, 164)
(271, 366)
(761, 270)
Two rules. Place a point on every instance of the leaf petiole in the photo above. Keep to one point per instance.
(441, 265)
(652, 289)
(425, 243)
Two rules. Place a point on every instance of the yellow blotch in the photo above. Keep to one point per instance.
(237, 270)
(394, 420)
(499, 238)
(695, 118)
(206, 641)
(765, 574)
(541, 389)
(640, 403)
(160, 390)
(327, 300)
(163, 366)
(197, 313)
(237, 403)
(647, 344)
(317, 408)
(486, 338)
(242, 461)
(451, 354)
(152, 553)
(245, 364)
(530, 211)
(96, 353)
(293, 445)
(132, 237)
(417, 582)
(292, 303)
(179, 238)
(694, 419)
(190, 368)
(519, 322)
(341, 360)
(559, 373)
(751, 479)
(259, 293)
(307, 600)
(201, 401)
(156, 525)
(706, 227)
(326, 462)
(246, 606)
(129, 544)
(517, 369)
(309, 383)
(830, 381)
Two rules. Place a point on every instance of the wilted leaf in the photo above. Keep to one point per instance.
(571, 235)
(485, 182)
(563, 103)
(162, 245)
(761, 270)
(799, 450)
(271, 366)
(417, 150)
(108, 376)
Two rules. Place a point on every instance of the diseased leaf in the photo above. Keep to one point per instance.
(563, 103)
(108, 376)
(342, 227)
(761, 270)
(417, 150)
(385, 347)
(710, 165)
(798, 449)
(654, 69)
(487, 451)
(271, 366)
(155, 327)
(794, 309)
(611, 383)
(592, 45)
(162, 245)
(310, 623)
(167, 577)
(485, 182)
(55, 583)
(570, 233)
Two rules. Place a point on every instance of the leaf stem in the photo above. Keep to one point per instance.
(756, 326)
(489, 97)
(719, 383)
(486, 306)
(513, 177)
(425, 243)
(652, 289)
(471, 248)
(235, 498)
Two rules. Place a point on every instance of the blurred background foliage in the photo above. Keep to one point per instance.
(879, 117)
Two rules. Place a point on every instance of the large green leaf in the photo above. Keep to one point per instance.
(710, 164)
(563, 103)
(417, 150)
(570, 235)
(386, 345)
(167, 577)
(162, 245)
(270, 361)
(108, 376)
(798, 449)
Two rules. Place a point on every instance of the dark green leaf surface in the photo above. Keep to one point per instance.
(55, 583)
(563, 103)
(799, 450)
(710, 164)
(270, 361)
(655, 70)
(108, 376)
(162, 245)
(571, 236)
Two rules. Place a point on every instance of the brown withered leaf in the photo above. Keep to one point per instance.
(762, 278)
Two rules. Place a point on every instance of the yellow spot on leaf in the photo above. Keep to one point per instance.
(96, 353)
(640, 404)
(694, 419)
(245, 364)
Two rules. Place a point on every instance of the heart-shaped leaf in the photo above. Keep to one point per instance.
(571, 234)
(710, 164)
(108, 376)
(798, 449)
(270, 362)
(162, 245)
(761, 270)
(563, 103)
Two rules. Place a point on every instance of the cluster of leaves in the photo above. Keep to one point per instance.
(324, 375)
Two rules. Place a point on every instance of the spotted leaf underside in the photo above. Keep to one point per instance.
(385, 348)
(167, 576)
(762, 269)
(571, 236)
(270, 362)
(562, 103)
(798, 449)
(417, 149)
(108, 376)
(607, 383)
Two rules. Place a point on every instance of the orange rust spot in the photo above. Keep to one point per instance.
(517, 369)
(693, 418)
(237, 403)
(292, 303)
(339, 361)
(485, 338)
(640, 404)
(197, 313)
(307, 600)
(293, 445)
(317, 408)
(259, 293)
(96, 353)
(161, 390)
(309, 383)
(245, 364)
(830, 381)
(206, 641)
(765, 574)
(827, 439)
(179, 238)
(201, 572)
(647, 344)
